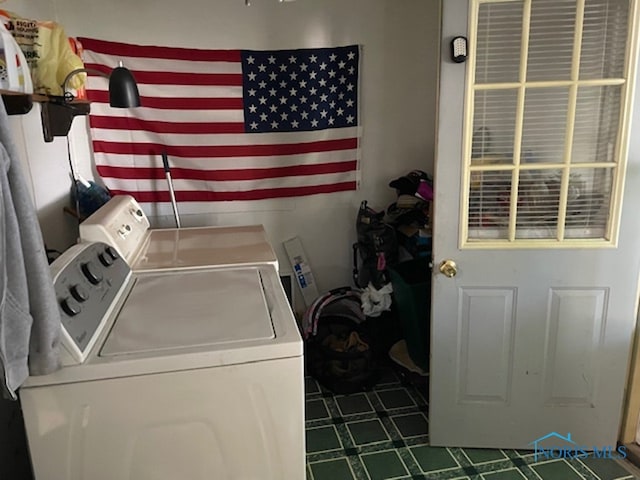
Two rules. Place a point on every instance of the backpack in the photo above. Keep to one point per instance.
(375, 250)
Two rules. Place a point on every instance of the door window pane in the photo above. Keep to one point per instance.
(551, 39)
(604, 38)
(499, 40)
(596, 124)
(494, 123)
(588, 202)
(489, 202)
(545, 125)
(538, 203)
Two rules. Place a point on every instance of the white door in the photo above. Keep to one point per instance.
(532, 335)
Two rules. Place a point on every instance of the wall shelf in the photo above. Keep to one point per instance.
(56, 114)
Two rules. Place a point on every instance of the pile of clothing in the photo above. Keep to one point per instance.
(410, 214)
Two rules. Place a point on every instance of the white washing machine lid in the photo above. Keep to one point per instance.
(179, 310)
(270, 332)
(199, 247)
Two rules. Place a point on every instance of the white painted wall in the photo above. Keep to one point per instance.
(47, 169)
(399, 79)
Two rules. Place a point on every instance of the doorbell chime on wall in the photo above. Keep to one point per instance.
(459, 49)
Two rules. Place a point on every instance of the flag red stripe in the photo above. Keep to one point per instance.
(169, 103)
(198, 151)
(144, 173)
(130, 123)
(209, 196)
(178, 78)
(168, 53)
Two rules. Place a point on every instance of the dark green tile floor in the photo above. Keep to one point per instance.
(383, 434)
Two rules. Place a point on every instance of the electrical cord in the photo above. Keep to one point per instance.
(74, 181)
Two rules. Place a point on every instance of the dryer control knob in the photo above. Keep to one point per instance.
(79, 293)
(137, 213)
(91, 273)
(124, 230)
(70, 307)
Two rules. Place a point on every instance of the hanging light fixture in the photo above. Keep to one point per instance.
(123, 89)
(58, 113)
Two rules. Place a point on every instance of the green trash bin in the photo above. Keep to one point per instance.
(411, 281)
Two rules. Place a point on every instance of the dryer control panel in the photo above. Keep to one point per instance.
(88, 279)
(120, 222)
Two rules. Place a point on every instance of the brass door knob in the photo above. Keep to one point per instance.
(448, 268)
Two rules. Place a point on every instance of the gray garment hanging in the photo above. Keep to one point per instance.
(29, 314)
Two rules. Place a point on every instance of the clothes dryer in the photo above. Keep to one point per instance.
(122, 223)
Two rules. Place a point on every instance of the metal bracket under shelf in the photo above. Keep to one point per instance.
(57, 117)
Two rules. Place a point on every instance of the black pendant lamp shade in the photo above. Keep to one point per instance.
(123, 89)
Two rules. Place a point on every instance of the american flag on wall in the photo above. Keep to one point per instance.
(235, 124)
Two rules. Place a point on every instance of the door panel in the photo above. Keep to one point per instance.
(495, 307)
(531, 338)
(575, 329)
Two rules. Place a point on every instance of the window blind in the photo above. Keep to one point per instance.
(547, 92)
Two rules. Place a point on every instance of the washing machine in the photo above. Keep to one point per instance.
(194, 374)
(122, 224)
